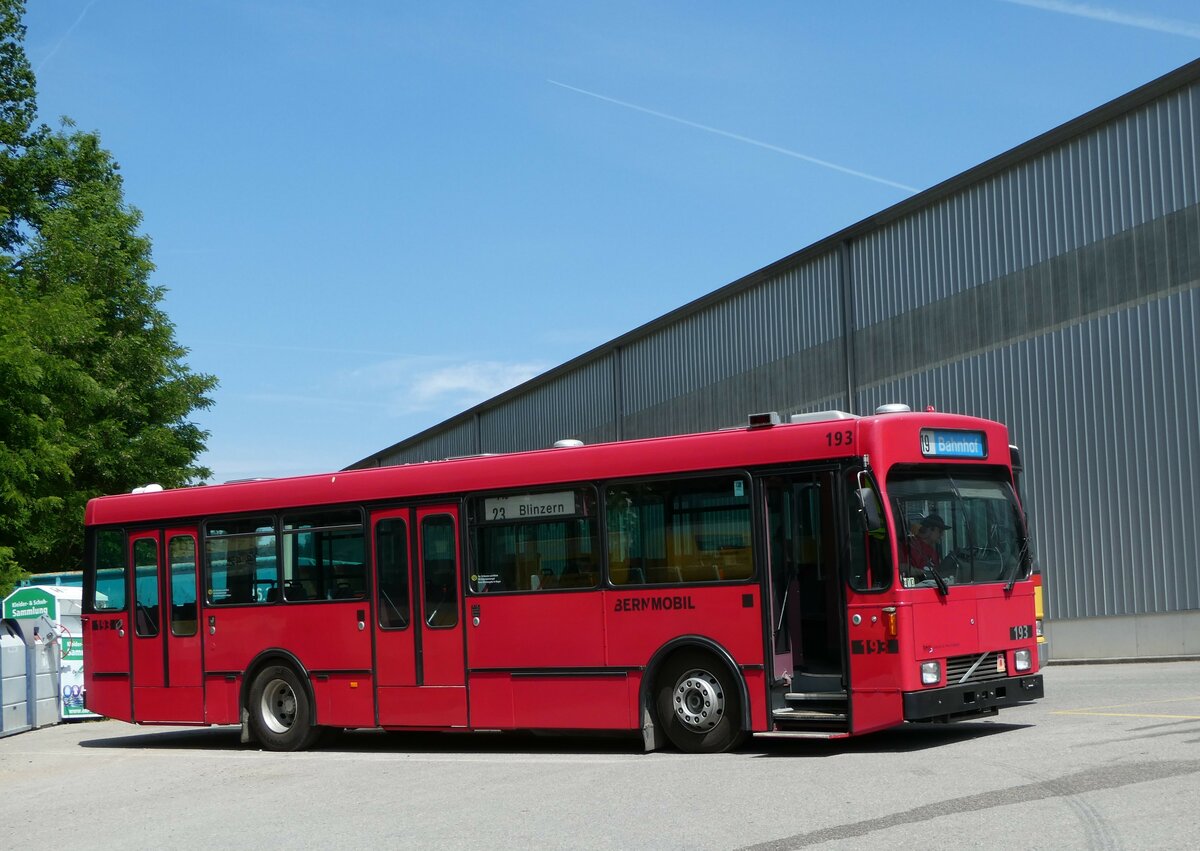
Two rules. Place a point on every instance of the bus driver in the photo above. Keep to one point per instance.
(923, 546)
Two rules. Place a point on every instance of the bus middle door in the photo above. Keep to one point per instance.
(419, 651)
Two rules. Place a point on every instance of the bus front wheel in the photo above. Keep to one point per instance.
(279, 710)
(698, 703)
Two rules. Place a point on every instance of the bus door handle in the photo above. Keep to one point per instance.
(362, 619)
(212, 624)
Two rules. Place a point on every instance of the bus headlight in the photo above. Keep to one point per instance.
(931, 673)
(1022, 660)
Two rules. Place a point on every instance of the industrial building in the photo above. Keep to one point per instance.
(1064, 276)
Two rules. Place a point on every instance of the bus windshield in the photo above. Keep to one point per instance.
(957, 529)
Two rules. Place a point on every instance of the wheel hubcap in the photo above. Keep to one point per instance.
(699, 701)
(278, 707)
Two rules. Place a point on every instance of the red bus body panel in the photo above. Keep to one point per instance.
(106, 680)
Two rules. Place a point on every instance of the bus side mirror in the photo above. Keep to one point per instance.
(869, 506)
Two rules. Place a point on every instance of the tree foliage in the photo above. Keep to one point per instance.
(96, 395)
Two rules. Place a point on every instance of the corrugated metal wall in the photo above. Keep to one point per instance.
(451, 440)
(1058, 291)
(580, 401)
(1138, 167)
(777, 343)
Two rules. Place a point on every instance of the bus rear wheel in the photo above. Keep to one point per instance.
(699, 706)
(279, 710)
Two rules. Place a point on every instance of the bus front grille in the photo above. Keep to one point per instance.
(963, 669)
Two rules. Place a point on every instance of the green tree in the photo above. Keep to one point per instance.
(96, 391)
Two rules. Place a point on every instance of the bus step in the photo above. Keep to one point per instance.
(805, 681)
(808, 716)
(802, 734)
(817, 701)
(814, 696)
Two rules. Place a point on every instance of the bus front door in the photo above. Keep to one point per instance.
(419, 653)
(805, 584)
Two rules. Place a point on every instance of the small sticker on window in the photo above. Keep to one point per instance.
(739, 488)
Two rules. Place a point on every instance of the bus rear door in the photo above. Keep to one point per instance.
(149, 649)
(107, 628)
(166, 648)
(185, 665)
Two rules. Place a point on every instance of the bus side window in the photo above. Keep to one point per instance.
(676, 531)
(517, 549)
(324, 555)
(239, 558)
(111, 567)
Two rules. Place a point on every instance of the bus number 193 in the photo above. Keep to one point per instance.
(839, 438)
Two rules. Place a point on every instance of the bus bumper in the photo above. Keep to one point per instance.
(963, 701)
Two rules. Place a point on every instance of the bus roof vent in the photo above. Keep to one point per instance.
(820, 417)
(152, 488)
(893, 408)
(568, 443)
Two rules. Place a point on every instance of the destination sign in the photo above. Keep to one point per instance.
(944, 443)
(528, 506)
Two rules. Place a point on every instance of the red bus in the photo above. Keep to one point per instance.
(769, 579)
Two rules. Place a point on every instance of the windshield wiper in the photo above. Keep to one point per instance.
(937, 577)
(1021, 556)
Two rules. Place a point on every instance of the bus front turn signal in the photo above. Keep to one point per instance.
(889, 621)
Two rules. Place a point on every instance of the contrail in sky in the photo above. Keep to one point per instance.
(66, 35)
(1173, 26)
(738, 138)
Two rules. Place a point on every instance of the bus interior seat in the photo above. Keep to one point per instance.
(621, 573)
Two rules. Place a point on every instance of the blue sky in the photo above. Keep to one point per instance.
(372, 215)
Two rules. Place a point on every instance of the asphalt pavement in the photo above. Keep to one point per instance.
(1110, 759)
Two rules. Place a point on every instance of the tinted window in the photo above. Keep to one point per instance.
(391, 565)
(110, 566)
(870, 550)
(240, 561)
(684, 530)
(181, 552)
(324, 556)
(145, 572)
(535, 541)
(438, 562)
